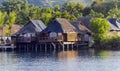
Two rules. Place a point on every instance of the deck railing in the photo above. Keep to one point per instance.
(25, 39)
(48, 39)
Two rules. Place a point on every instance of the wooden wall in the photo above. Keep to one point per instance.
(70, 37)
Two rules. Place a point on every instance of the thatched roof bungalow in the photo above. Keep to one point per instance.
(60, 27)
(30, 30)
(33, 26)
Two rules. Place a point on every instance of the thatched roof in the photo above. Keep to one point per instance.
(60, 25)
(14, 29)
(33, 26)
(85, 21)
(114, 24)
(80, 27)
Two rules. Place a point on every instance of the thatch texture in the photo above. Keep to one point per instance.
(60, 25)
(33, 26)
(80, 27)
(85, 21)
(14, 29)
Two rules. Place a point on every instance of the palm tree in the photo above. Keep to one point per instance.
(2, 21)
(11, 18)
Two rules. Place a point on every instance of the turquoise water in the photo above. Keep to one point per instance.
(74, 60)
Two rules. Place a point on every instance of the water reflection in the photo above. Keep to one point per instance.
(75, 60)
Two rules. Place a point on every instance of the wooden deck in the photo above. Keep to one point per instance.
(7, 47)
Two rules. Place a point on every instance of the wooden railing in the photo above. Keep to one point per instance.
(48, 39)
(24, 39)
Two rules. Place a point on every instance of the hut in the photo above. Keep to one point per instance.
(61, 30)
(114, 27)
(84, 34)
(28, 33)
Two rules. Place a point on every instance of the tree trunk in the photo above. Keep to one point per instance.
(10, 28)
(2, 31)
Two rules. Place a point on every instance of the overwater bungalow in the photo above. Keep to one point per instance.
(84, 33)
(62, 31)
(28, 33)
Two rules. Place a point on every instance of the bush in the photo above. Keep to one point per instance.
(7, 33)
(100, 27)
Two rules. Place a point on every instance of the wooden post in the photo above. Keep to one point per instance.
(55, 47)
(67, 46)
(72, 46)
(27, 47)
(50, 47)
(36, 48)
(45, 47)
(40, 47)
(63, 47)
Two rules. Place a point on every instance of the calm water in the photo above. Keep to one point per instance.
(82, 60)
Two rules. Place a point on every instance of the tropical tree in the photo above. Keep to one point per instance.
(11, 18)
(100, 28)
(46, 18)
(2, 21)
(57, 8)
(114, 13)
(96, 14)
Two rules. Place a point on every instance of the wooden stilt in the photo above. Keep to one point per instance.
(36, 48)
(40, 47)
(50, 47)
(67, 46)
(72, 46)
(63, 47)
(45, 47)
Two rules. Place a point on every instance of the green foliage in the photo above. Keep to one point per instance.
(11, 18)
(2, 21)
(100, 28)
(2, 18)
(73, 18)
(57, 8)
(20, 12)
(7, 32)
(113, 41)
(66, 15)
(105, 6)
(114, 13)
(96, 14)
(46, 18)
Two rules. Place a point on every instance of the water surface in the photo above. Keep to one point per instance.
(74, 60)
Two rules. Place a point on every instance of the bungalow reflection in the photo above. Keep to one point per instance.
(67, 54)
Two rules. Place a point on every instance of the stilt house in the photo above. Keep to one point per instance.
(28, 33)
(61, 30)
